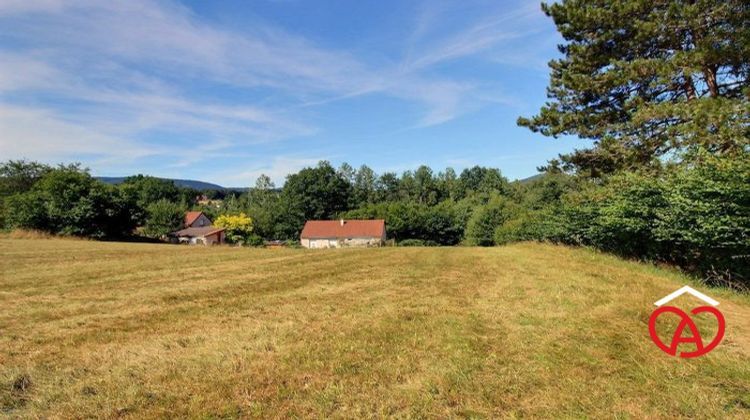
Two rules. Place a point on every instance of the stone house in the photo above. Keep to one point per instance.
(343, 233)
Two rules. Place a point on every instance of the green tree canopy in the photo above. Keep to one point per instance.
(239, 227)
(17, 176)
(482, 180)
(312, 193)
(146, 190)
(648, 78)
(163, 217)
(67, 200)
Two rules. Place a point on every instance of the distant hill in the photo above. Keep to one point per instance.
(201, 185)
(531, 178)
(185, 183)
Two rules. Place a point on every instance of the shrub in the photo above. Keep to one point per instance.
(694, 215)
(291, 243)
(533, 225)
(254, 241)
(443, 223)
(706, 218)
(238, 227)
(485, 220)
(627, 215)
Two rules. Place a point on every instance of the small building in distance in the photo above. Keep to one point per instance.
(343, 233)
(203, 200)
(198, 230)
(196, 219)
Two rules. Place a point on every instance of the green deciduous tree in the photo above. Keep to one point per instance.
(317, 193)
(18, 176)
(239, 227)
(163, 217)
(67, 200)
(441, 224)
(262, 206)
(365, 182)
(482, 180)
(146, 190)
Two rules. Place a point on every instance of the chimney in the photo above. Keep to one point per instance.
(342, 222)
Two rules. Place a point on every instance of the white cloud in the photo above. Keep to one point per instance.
(277, 169)
(168, 37)
(94, 78)
(493, 30)
(36, 134)
(20, 72)
(11, 7)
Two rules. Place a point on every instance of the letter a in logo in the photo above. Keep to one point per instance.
(686, 322)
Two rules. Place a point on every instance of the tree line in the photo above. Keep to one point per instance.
(661, 88)
(694, 215)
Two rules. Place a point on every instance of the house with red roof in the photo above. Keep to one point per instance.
(198, 230)
(343, 233)
(196, 219)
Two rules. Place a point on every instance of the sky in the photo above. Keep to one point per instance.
(223, 91)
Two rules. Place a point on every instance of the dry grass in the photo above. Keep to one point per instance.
(27, 234)
(137, 330)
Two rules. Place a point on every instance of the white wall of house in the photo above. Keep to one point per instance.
(204, 240)
(342, 243)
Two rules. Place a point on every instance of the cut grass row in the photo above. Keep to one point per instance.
(109, 329)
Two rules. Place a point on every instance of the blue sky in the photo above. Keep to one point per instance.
(225, 91)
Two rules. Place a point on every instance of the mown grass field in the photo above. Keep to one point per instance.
(140, 330)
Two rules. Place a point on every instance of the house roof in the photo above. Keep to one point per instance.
(317, 229)
(197, 232)
(191, 217)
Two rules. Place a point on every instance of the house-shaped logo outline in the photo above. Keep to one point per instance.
(681, 291)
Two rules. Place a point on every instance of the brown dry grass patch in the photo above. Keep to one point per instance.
(91, 329)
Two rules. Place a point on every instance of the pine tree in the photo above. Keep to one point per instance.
(644, 79)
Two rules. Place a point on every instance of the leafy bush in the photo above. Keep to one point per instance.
(696, 216)
(68, 201)
(626, 216)
(443, 223)
(485, 220)
(291, 243)
(254, 241)
(238, 227)
(533, 225)
(706, 218)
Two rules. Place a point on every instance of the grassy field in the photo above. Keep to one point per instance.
(139, 330)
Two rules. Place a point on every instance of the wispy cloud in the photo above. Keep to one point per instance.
(483, 36)
(277, 169)
(39, 134)
(120, 81)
